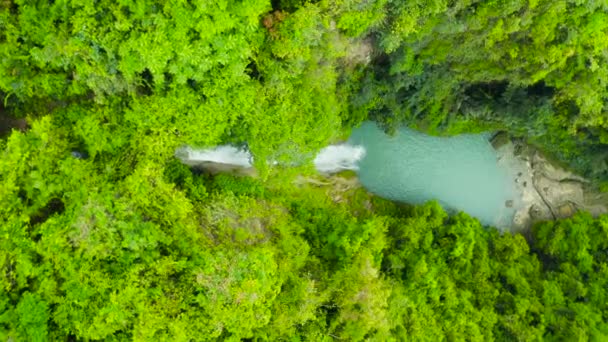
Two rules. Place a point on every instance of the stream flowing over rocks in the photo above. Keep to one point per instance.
(542, 190)
(226, 158)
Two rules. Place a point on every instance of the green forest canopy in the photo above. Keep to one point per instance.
(104, 236)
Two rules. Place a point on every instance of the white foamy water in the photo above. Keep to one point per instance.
(335, 158)
(224, 154)
(331, 159)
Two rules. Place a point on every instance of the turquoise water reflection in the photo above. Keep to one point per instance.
(461, 172)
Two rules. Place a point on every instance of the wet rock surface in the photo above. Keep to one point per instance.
(547, 191)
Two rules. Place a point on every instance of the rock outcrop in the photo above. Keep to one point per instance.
(547, 191)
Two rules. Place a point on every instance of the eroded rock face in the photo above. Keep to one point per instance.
(222, 159)
(216, 168)
(547, 191)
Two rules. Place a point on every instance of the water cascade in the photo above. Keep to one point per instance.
(335, 158)
(460, 172)
(331, 159)
(222, 155)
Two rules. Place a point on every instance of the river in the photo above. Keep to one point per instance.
(460, 172)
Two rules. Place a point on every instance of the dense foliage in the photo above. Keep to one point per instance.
(255, 71)
(104, 236)
(229, 257)
(533, 68)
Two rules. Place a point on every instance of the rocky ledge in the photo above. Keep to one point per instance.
(547, 191)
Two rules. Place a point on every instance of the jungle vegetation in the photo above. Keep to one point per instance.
(104, 235)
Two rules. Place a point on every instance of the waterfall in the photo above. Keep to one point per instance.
(335, 158)
(225, 154)
(331, 159)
